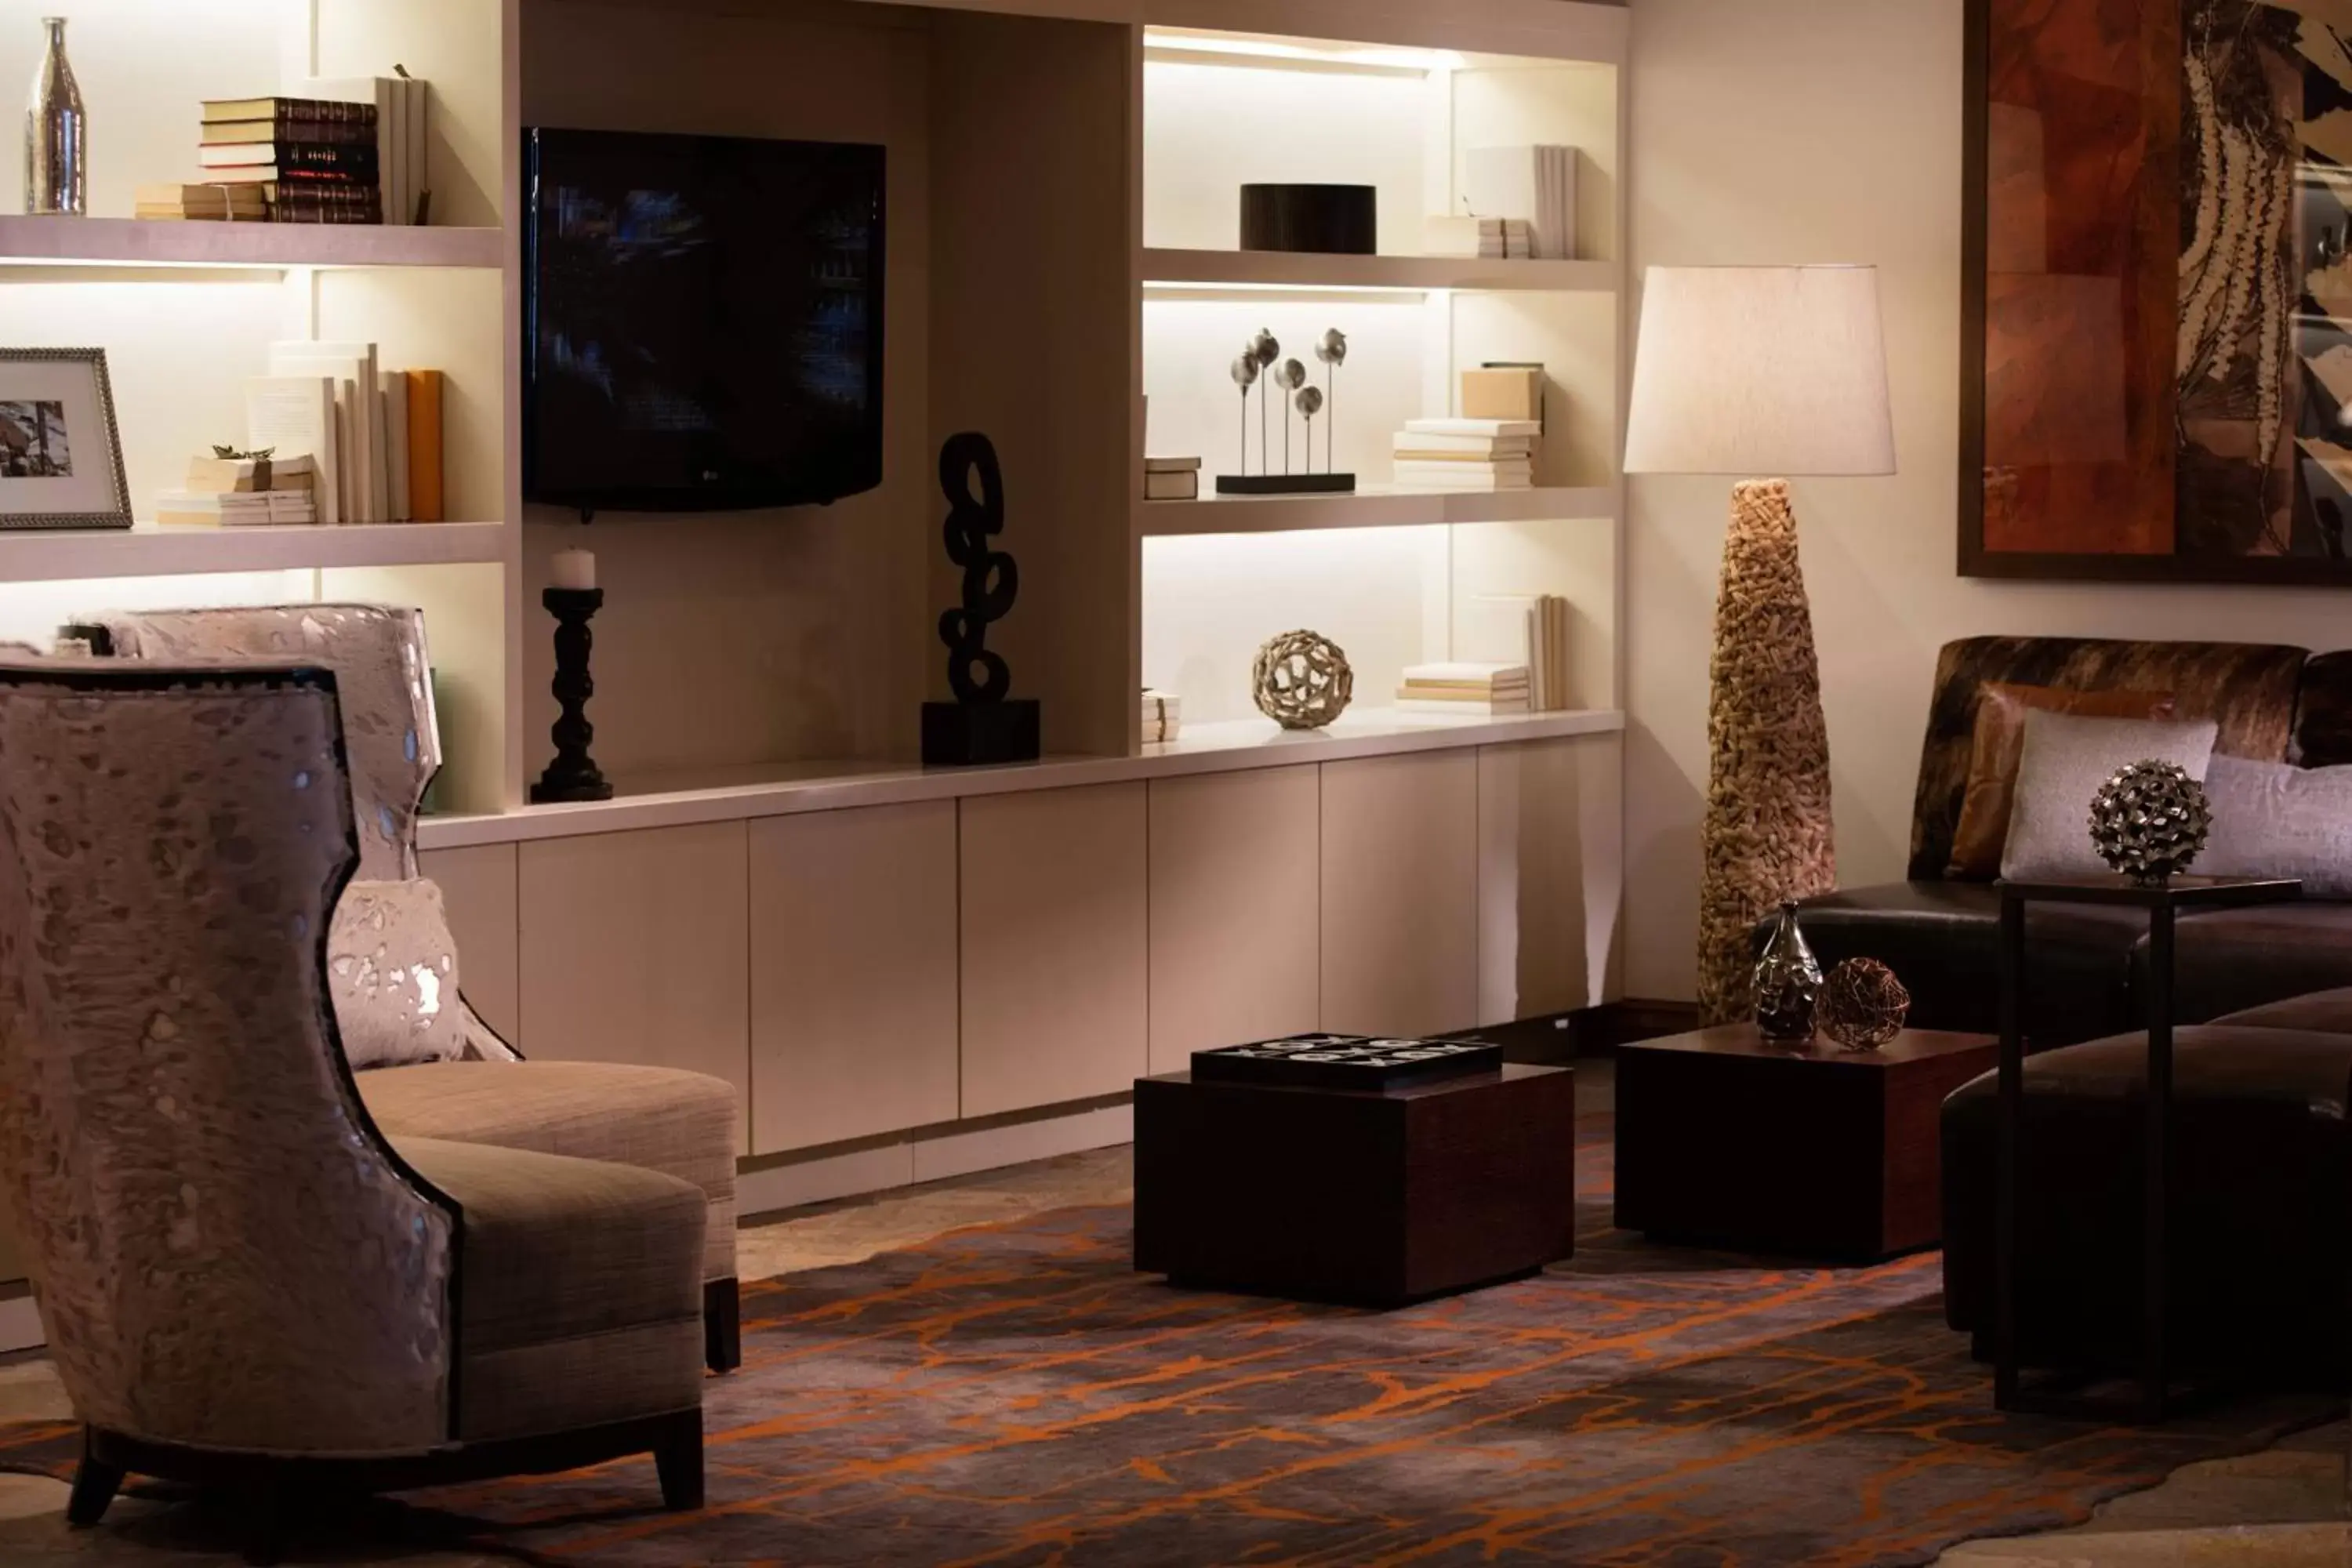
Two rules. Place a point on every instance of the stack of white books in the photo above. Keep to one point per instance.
(1529, 630)
(247, 508)
(1537, 184)
(1163, 715)
(1172, 478)
(1466, 455)
(1484, 239)
(371, 431)
(1465, 688)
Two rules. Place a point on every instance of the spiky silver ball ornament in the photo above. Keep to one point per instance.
(2149, 820)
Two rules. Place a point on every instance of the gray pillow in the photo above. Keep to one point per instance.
(2067, 757)
(392, 970)
(2274, 820)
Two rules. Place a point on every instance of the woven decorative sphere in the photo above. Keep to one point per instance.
(1863, 1005)
(1301, 680)
(2150, 821)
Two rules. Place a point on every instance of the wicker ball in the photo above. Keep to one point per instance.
(1863, 1005)
(1301, 680)
(2149, 820)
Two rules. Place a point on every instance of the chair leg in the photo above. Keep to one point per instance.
(94, 1486)
(723, 1325)
(678, 1458)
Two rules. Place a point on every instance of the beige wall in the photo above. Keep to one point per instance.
(1769, 131)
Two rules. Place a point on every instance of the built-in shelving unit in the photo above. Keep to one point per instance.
(1299, 271)
(1372, 506)
(60, 555)
(273, 247)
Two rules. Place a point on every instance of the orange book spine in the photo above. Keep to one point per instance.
(425, 501)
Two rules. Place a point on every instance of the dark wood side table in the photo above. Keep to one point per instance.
(2164, 902)
(1348, 1196)
(1724, 1139)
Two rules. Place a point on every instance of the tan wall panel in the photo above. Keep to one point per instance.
(1236, 916)
(1399, 880)
(477, 886)
(635, 949)
(1055, 946)
(852, 973)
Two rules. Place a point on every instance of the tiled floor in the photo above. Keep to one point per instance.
(2283, 1508)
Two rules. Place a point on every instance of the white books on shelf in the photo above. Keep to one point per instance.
(1479, 449)
(1466, 708)
(1537, 185)
(252, 509)
(295, 414)
(1450, 476)
(1488, 427)
(1163, 715)
(369, 489)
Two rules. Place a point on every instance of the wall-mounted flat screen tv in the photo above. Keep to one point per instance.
(702, 321)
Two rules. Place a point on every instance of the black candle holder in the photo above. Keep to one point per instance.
(573, 774)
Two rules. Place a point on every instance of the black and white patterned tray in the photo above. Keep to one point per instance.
(1346, 1061)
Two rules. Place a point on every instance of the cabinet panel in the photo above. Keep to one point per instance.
(635, 949)
(1236, 918)
(852, 973)
(477, 886)
(1552, 875)
(1055, 950)
(1400, 857)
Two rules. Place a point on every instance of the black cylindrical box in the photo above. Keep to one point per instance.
(1341, 220)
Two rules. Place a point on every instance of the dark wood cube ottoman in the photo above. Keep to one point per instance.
(1369, 1199)
(1723, 1140)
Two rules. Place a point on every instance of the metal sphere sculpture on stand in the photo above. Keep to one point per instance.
(1302, 680)
(2149, 820)
(1863, 1005)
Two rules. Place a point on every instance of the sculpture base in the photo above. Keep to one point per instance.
(1285, 484)
(975, 734)
(586, 783)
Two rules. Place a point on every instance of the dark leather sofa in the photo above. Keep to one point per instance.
(2086, 967)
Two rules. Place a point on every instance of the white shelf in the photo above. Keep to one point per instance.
(1245, 269)
(33, 555)
(786, 789)
(138, 242)
(1374, 506)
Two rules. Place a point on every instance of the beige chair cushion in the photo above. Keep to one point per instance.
(580, 1287)
(680, 1123)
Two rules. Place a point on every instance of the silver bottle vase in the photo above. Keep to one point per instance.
(57, 134)
(1788, 982)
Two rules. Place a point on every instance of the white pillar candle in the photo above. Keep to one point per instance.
(574, 569)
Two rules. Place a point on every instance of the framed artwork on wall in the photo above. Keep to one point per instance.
(2156, 322)
(60, 453)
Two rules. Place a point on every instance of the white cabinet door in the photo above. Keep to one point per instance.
(1055, 951)
(1237, 916)
(852, 973)
(1552, 875)
(635, 949)
(478, 886)
(1400, 894)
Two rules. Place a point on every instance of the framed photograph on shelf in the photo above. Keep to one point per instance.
(60, 453)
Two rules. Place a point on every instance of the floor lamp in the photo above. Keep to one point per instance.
(1742, 371)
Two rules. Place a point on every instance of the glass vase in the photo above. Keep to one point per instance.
(57, 134)
(1788, 982)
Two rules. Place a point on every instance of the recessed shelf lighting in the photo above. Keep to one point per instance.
(1242, 48)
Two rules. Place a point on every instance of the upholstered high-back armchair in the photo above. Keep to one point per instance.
(239, 1274)
(682, 1123)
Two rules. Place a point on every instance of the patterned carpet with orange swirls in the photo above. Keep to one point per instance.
(1015, 1394)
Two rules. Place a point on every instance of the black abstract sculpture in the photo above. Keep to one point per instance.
(985, 723)
(573, 774)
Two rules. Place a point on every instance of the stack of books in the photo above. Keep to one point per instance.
(1172, 478)
(242, 492)
(374, 434)
(1548, 653)
(228, 203)
(1484, 239)
(1466, 689)
(309, 160)
(1466, 455)
(1163, 715)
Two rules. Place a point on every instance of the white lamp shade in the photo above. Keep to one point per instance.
(1753, 370)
